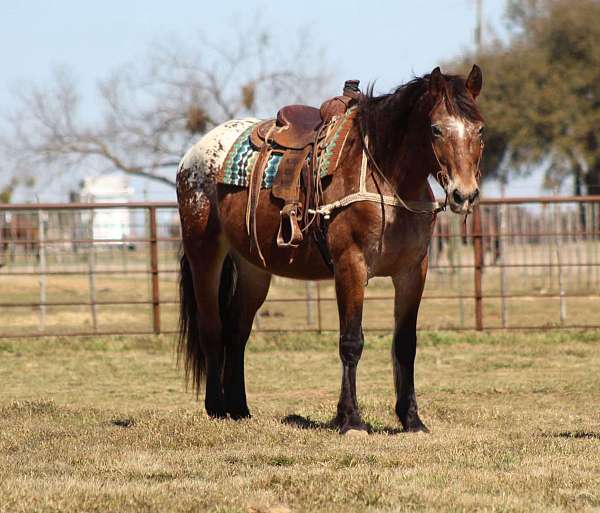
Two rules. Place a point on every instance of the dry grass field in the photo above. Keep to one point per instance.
(105, 424)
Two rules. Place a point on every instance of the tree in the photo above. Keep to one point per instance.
(151, 113)
(542, 94)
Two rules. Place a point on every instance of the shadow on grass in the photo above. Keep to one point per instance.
(124, 423)
(576, 435)
(300, 422)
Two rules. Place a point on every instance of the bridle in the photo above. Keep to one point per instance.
(435, 206)
(443, 177)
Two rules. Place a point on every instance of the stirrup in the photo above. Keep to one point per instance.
(289, 235)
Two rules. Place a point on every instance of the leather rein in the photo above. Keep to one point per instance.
(415, 207)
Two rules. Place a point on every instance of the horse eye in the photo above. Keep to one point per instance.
(436, 131)
(480, 132)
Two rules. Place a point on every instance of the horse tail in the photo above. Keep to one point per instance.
(189, 346)
(227, 286)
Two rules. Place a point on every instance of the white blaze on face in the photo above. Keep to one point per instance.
(457, 125)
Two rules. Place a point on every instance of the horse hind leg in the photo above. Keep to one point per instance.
(202, 272)
(206, 270)
(248, 294)
(201, 344)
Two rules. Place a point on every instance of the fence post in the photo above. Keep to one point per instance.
(478, 257)
(91, 257)
(309, 301)
(319, 328)
(503, 229)
(42, 267)
(557, 244)
(456, 242)
(154, 271)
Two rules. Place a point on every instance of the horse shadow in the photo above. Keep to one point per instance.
(577, 434)
(300, 422)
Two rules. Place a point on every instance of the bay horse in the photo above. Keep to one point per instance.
(429, 126)
(19, 230)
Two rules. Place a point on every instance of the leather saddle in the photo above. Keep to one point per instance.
(294, 128)
(295, 134)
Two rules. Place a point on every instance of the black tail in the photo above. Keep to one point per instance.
(189, 347)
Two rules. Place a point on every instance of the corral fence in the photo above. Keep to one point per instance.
(84, 269)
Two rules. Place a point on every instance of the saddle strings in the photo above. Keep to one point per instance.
(315, 176)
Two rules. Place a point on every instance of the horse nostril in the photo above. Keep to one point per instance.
(457, 197)
(474, 195)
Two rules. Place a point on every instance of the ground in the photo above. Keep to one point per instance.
(105, 424)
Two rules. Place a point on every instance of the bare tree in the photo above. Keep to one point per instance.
(151, 113)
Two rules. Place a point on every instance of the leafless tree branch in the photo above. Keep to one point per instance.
(150, 113)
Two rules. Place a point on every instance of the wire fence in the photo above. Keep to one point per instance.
(83, 269)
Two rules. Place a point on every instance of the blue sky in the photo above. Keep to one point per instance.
(387, 41)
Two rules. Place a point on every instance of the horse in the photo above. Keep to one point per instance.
(428, 126)
(18, 230)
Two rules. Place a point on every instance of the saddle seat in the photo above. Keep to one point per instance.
(295, 128)
(299, 124)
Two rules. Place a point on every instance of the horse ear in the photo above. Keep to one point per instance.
(436, 83)
(474, 81)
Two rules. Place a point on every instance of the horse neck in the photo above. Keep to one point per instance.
(412, 161)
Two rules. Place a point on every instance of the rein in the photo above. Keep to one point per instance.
(420, 207)
(415, 207)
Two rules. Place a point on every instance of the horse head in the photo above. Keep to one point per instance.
(456, 135)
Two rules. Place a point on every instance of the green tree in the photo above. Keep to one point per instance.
(542, 92)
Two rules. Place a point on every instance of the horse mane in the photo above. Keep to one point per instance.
(385, 119)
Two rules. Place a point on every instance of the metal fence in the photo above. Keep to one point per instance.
(80, 269)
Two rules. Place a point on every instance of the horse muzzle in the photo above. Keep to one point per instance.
(461, 202)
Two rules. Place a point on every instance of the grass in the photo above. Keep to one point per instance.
(105, 424)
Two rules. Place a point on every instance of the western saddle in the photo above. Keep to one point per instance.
(296, 134)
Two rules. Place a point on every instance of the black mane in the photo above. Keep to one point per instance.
(385, 118)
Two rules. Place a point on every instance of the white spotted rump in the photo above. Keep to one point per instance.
(207, 156)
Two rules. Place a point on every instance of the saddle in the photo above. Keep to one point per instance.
(296, 134)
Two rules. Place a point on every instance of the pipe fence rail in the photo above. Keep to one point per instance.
(110, 269)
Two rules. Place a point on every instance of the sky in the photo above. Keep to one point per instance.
(387, 41)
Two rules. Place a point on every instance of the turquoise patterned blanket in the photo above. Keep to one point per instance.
(241, 160)
(242, 156)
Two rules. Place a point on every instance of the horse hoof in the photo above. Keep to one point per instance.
(217, 414)
(240, 415)
(418, 428)
(356, 433)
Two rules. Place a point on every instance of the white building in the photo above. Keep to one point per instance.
(110, 223)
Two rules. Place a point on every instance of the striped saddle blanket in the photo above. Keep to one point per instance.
(242, 156)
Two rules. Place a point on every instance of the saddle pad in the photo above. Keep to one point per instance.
(240, 162)
(335, 142)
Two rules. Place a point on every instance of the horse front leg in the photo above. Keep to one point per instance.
(350, 279)
(408, 290)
